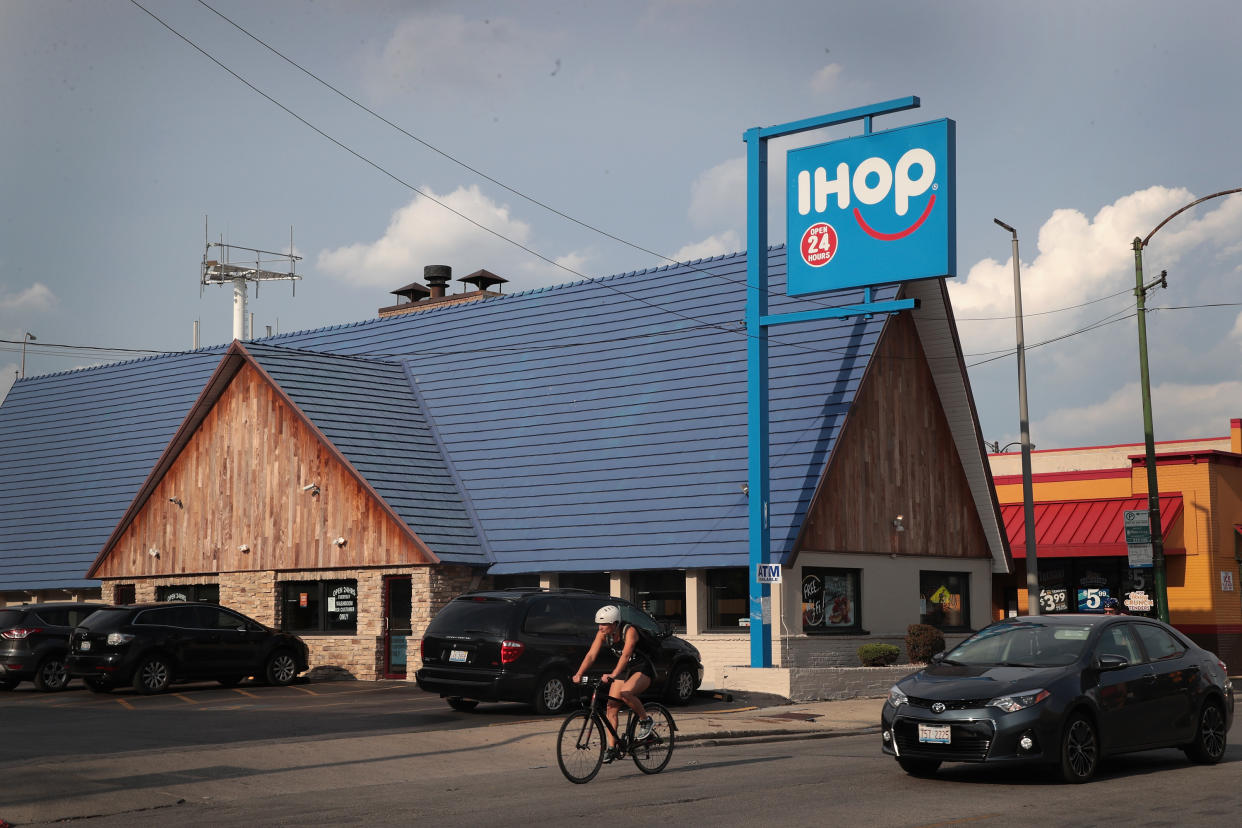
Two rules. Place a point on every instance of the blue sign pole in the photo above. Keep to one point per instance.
(757, 323)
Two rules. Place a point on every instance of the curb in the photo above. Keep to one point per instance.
(737, 737)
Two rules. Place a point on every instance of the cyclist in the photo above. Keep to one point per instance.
(632, 675)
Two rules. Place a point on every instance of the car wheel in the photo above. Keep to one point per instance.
(98, 685)
(681, 685)
(51, 674)
(919, 767)
(9, 683)
(1208, 748)
(462, 705)
(281, 669)
(153, 675)
(551, 694)
(1080, 750)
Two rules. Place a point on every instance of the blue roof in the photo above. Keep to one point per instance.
(594, 425)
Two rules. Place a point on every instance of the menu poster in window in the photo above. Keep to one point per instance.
(827, 600)
(343, 600)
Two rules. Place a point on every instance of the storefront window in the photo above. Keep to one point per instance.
(189, 592)
(728, 595)
(320, 606)
(520, 581)
(830, 600)
(944, 599)
(662, 595)
(594, 581)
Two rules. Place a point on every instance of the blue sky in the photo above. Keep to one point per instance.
(1082, 124)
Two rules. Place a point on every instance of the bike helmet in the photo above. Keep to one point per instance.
(607, 615)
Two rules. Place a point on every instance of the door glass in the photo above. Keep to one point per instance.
(397, 618)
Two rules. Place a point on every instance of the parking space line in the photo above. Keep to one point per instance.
(306, 690)
(186, 698)
(124, 704)
(245, 693)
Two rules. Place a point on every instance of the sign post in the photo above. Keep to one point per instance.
(868, 210)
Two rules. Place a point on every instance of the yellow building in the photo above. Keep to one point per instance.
(1079, 496)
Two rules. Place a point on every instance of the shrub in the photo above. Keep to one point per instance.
(923, 641)
(878, 655)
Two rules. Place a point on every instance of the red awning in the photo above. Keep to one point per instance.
(1084, 528)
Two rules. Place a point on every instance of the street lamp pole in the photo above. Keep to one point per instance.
(32, 338)
(1149, 438)
(1028, 501)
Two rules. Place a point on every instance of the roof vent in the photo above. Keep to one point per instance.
(413, 292)
(483, 279)
(437, 278)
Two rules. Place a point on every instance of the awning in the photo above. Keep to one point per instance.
(1084, 528)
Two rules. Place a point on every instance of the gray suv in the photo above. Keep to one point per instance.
(523, 645)
(34, 639)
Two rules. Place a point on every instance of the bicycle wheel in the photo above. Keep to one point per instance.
(580, 747)
(653, 753)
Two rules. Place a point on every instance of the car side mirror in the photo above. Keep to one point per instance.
(937, 657)
(1112, 662)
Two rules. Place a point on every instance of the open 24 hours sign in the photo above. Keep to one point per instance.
(872, 209)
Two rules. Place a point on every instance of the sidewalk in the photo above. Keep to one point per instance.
(770, 718)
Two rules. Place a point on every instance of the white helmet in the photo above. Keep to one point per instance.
(608, 615)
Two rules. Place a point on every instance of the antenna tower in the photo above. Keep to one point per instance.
(239, 265)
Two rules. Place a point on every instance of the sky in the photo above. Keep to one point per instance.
(554, 141)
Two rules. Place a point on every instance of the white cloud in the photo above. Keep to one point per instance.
(827, 79)
(718, 195)
(423, 233)
(37, 297)
(726, 242)
(455, 53)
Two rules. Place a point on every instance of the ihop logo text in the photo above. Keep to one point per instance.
(871, 209)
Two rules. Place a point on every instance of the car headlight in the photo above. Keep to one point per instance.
(117, 639)
(895, 697)
(1019, 701)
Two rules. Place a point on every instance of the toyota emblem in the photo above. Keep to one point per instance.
(938, 707)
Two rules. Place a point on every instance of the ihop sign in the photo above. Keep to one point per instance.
(872, 209)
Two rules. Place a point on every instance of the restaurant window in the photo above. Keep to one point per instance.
(944, 599)
(594, 581)
(124, 594)
(728, 596)
(320, 606)
(830, 600)
(662, 595)
(209, 593)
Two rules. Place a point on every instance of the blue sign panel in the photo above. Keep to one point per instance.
(872, 209)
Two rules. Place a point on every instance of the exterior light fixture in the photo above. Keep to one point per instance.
(153, 552)
(177, 500)
(339, 541)
(245, 547)
(899, 523)
(746, 489)
(313, 488)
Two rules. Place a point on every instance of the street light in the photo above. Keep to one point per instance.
(1149, 438)
(32, 338)
(1028, 502)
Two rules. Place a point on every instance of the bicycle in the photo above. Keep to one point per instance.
(580, 743)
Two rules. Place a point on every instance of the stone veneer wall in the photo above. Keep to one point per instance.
(431, 589)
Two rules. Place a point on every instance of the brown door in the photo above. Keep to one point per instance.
(396, 624)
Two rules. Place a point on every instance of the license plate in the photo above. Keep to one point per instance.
(85, 645)
(935, 734)
(458, 656)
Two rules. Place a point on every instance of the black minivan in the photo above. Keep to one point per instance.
(152, 645)
(523, 645)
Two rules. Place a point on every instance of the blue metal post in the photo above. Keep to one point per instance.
(757, 392)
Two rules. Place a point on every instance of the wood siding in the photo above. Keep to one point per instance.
(240, 481)
(896, 456)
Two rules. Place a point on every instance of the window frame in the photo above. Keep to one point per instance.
(714, 596)
(677, 623)
(815, 609)
(926, 593)
(319, 592)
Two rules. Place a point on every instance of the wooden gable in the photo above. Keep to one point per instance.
(895, 456)
(254, 486)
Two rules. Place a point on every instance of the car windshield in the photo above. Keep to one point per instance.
(1022, 644)
(105, 618)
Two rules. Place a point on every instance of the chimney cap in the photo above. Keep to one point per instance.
(412, 292)
(483, 279)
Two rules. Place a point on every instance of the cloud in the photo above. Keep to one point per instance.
(451, 53)
(726, 242)
(827, 79)
(718, 195)
(37, 297)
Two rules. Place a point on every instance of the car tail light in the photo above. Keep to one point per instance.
(510, 651)
(422, 649)
(18, 633)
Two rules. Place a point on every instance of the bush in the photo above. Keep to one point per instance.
(923, 641)
(878, 655)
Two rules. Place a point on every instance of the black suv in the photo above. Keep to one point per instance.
(33, 642)
(152, 645)
(523, 645)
